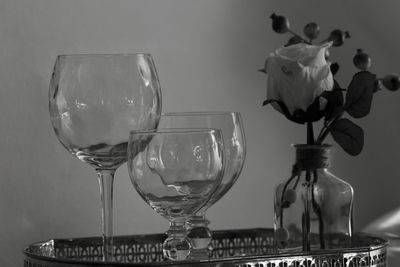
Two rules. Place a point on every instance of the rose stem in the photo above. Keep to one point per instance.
(325, 130)
(306, 225)
(310, 134)
(316, 207)
(322, 134)
(298, 36)
(297, 182)
(317, 210)
(306, 215)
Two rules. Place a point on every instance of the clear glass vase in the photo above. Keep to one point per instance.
(313, 208)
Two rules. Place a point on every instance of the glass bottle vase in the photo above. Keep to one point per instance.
(313, 208)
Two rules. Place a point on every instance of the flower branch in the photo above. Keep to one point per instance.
(302, 87)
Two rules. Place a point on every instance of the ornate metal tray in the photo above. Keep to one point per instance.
(238, 248)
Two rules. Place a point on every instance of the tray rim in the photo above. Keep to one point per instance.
(383, 245)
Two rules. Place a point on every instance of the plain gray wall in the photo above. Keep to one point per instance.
(207, 53)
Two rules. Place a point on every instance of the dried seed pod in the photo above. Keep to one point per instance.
(294, 40)
(290, 196)
(338, 36)
(362, 60)
(281, 237)
(311, 30)
(280, 24)
(391, 82)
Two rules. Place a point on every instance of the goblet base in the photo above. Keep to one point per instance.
(176, 249)
(200, 236)
(200, 254)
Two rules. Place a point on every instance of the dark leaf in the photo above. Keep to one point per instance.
(263, 71)
(336, 86)
(314, 112)
(359, 94)
(269, 101)
(295, 118)
(348, 135)
(335, 101)
(334, 112)
(282, 106)
(334, 68)
(298, 116)
(294, 40)
(334, 97)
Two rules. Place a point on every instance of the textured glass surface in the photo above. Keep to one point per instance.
(230, 124)
(94, 102)
(313, 208)
(176, 171)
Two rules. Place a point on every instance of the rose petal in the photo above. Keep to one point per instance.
(319, 58)
(293, 52)
(297, 75)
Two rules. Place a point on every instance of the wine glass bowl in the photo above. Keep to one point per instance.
(176, 171)
(230, 124)
(95, 100)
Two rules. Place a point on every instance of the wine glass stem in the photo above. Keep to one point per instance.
(177, 228)
(106, 181)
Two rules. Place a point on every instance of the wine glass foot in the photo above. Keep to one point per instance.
(200, 238)
(200, 254)
(176, 249)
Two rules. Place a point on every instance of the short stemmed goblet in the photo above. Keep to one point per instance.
(176, 171)
(95, 100)
(230, 124)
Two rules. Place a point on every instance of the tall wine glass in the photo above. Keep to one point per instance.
(176, 171)
(230, 124)
(95, 100)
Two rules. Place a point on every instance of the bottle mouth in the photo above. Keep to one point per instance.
(311, 157)
(306, 146)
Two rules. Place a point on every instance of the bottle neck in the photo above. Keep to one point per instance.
(312, 157)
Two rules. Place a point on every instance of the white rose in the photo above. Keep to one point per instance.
(297, 75)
